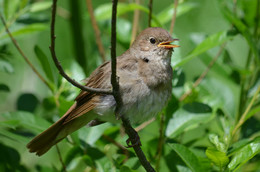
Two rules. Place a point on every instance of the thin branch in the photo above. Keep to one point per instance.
(176, 2)
(23, 55)
(58, 65)
(123, 148)
(60, 158)
(161, 141)
(243, 117)
(101, 49)
(143, 125)
(150, 12)
(202, 76)
(116, 93)
(135, 23)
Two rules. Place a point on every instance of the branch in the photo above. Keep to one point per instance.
(60, 158)
(243, 117)
(202, 76)
(96, 30)
(58, 65)
(116, 93)
(174, 15)
(23, 55)
(150, 12)
(135, 23)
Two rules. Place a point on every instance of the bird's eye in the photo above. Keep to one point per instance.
(153, 40)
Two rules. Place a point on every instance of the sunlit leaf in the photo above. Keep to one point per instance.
(28, 29)
(183, 119)
(212, 41)
(25, 120)
(187, 156)
(103, 12)
(245, 154)
(5, 66)
(166, 14)
(40, 6)
(219, 145)
(217, 157)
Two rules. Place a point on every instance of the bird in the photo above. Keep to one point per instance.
(145, 83)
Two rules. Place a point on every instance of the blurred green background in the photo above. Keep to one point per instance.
(202, 131)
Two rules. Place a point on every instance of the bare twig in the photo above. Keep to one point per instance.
(176, 2)
(202, 76)
(150, 12)
(243, 117)
(123, 148)
(161, 142)
(23, 55)
(60, 158)
(143, 125)
(58, 65)
(116, 93)
(96, 30)
(135, 23)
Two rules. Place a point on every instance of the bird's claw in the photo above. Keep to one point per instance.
(135, 142)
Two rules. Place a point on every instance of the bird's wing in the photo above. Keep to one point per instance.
(86, 101)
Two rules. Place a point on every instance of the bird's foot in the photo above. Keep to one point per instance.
(134, 141)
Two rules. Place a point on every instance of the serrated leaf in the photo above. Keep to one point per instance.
(44, 63)
(217, 157)
(210, 42)
(40, 6)
(187, 156)
(182, 119)
(245, 154)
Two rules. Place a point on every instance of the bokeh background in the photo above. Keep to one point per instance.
(211, 123)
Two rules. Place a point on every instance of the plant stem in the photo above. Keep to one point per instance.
(24, 56)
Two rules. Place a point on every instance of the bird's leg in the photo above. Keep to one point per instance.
(133, 137)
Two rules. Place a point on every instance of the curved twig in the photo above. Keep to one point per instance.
(23, 55)
(58, 65)
(96, 30)
(176, 2)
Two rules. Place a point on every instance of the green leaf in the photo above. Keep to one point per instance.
(45, 63)
(219, 145)
(28, 29)
(245, 154)
(92, 134)
(25, 120)
(10, 7)
(40, 6)
(186, 118)
(5, 66)
(242, 29)
(210, 42)
(103, 12)
(187, 156)
(166, 14)
(217, 157)
(4, 88)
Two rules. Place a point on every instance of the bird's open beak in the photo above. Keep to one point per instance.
(168, 44)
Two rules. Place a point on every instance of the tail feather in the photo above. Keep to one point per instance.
(58, 131)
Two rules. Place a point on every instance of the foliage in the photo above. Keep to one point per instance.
(215, 128)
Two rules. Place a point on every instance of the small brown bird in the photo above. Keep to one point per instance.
(145, 75)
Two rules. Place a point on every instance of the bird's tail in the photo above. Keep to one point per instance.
(58, 131)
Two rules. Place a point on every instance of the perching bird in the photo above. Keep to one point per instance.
(145, 75)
